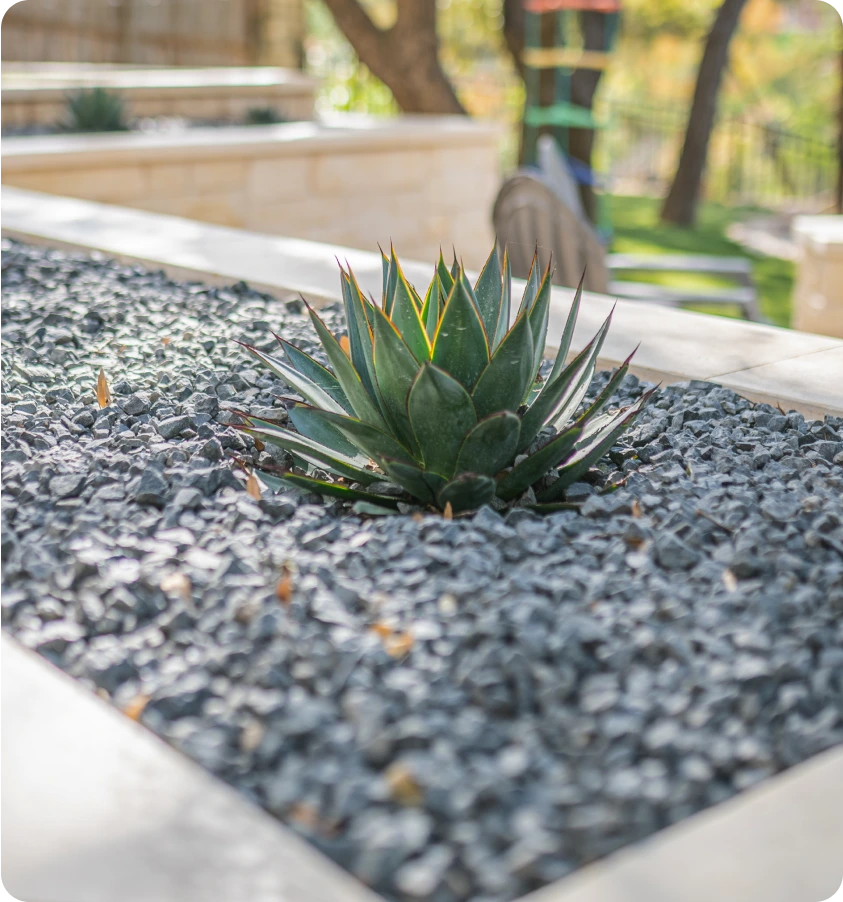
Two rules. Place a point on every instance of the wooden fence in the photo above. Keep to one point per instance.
(156, 32)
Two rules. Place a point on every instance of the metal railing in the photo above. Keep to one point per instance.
(749, 163)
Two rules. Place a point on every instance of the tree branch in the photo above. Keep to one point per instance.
(513, 31)
(354, 22)
(404, 57)
(417, 14)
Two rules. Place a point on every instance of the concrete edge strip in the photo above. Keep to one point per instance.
(678, 345)
(97, 808)
(781, 841)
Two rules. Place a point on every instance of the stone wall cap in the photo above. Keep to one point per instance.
(821, 235)
(35, 79)
(766, 363)
(327, 134)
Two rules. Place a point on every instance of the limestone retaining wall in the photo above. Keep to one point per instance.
(420, 182)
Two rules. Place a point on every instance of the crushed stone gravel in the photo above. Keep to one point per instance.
(453, 711)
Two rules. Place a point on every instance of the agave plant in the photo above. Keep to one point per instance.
(263, 115)
(95, 110)
(442, 396)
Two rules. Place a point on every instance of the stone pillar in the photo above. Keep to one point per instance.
(818, 292)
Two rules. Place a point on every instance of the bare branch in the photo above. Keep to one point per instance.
(404, 57)
(354, 22)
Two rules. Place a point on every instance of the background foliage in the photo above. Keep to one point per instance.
(784, 70)
(784, 73)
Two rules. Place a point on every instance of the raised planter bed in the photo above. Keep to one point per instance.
(451, 710)
(35, 95)
(417, 181)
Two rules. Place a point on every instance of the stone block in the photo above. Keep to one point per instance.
(118, 184)
(169, 180)
(361, 173)
(217, 176)
(818, 292)
(223, 208)
(279, 178)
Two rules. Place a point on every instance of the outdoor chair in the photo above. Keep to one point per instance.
(529, 217)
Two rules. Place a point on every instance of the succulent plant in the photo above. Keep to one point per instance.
(95, 110)
(263, 115)
(442, 396)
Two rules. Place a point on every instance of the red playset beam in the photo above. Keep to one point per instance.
(552, 6)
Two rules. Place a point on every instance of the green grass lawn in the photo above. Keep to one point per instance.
(637, 230)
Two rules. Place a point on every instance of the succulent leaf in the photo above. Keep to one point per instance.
(538, 316)
(505, 380)
(567, 333)
(332, 489)
(314, 371)
(466, 492)
(372, 442)
(524, 474)
(395, 370)
(579, 462)
(359, 332)
(361, 402)
(311, 451)
(559, 399)
(391, 282)
(552, 507)
(431, 309)
(531, 289)
(566, 410)
(385, 272)
(406, 316)
(311, 422)
(441, 413)
(489, 292)
(506, 302)
(460, 346)
(445, 277)
(299, 382)
(455, 267)
(420, 483)
(602, 399)
(491, 444)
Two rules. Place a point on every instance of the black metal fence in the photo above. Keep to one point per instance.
(749, 162)
(636, 152)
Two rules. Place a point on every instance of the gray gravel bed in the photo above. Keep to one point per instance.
(453, 711)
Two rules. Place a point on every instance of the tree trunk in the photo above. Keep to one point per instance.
(513, 31)
(680, 206)
(404, 57)
(584, 84)
(839, 199)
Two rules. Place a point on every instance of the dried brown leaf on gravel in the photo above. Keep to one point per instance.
(253, 487)
(403, 786)
(284, 588)
(134, 708)
(103, 391)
